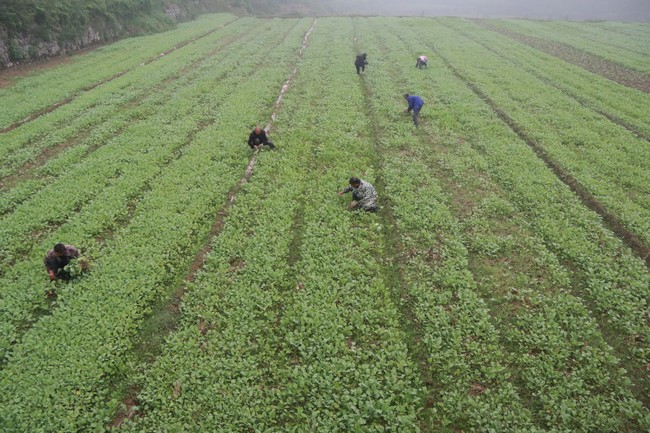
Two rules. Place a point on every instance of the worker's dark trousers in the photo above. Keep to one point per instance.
(416, 114)
(361, 68)
(355, 197)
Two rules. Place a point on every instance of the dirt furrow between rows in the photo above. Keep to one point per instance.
(248, 172)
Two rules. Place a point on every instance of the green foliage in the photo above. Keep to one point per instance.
(304, 316)
(313, 325)
(32, 52)
(16, 53)
(79, 267)
(67, 20)
(68, 81)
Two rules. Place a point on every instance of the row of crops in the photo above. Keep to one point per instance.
(624, 64)
(623, 45)
(610, 161)
(510, 183)
(52, 87)
(484, 296)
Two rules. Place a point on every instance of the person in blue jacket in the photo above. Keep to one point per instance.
(415, 104)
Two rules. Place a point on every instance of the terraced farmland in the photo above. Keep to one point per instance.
(503, 286)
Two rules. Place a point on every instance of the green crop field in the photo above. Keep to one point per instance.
(504, 285)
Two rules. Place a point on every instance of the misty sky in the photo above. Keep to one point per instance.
(635, 10)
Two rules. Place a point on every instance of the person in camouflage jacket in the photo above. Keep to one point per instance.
(364, 195)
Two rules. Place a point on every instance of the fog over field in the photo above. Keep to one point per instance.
(623, 10)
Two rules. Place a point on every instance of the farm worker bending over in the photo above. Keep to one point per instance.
(58, 258)
(415, 104)
(361, 62)
(422, 61)
(258, 138)
(364, 195)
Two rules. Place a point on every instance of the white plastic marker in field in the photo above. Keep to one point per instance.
(278, 101)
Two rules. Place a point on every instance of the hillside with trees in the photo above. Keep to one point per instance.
(36, 29)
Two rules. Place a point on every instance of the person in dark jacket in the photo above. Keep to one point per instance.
(258, 138)
(57, 259)
(415, 104)
(361, 63)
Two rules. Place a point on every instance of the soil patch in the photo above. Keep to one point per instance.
(129, 409)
